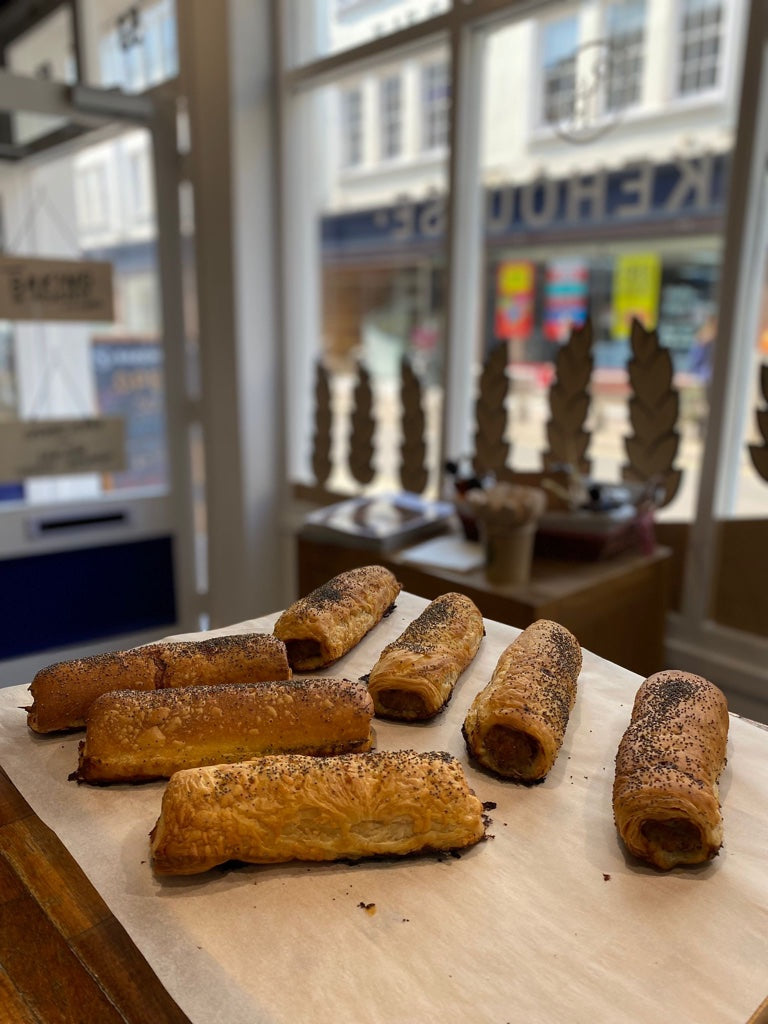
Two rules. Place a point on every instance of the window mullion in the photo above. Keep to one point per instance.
(463, 310)
(732, 353)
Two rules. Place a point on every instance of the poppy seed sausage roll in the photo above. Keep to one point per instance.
(415, 675)
(665, 797)
(290, 807)
(62, 693)
(515, 725)
(323, 626)
(134, 736)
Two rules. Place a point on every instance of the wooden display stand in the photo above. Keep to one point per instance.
(616, 608)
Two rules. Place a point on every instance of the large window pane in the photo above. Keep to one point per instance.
(374, 229)
(318, 28)
(97, 203)
(610, 204)
(130, 46)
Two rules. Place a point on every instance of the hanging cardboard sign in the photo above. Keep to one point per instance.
(41, 289)
(59, 447)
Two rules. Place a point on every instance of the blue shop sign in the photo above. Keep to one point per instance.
(689, 191)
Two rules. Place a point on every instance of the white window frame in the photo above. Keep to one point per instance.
(439, 110)
(692, 632)
(716, 86)
(391, 119)
(639, 102)
(352, 142)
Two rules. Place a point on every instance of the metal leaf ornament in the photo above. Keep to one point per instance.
(569, 403)
(759, 452)
(653, 411)
(413, 450)
(362, 429)
(321, 440)
(491, 448)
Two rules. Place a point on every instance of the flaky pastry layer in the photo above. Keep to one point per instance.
(63, 692)
(323, 626)
(291, 807)
(415, 675)
(665, 795)
(134, 736)
(516, 724)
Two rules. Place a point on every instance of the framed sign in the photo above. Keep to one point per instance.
(42, 289)
(57, 447)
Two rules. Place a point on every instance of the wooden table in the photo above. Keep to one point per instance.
(64, 957)
(616, 608)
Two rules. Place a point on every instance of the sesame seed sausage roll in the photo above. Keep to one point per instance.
(665, 799)
(62, 693)
(132, 736)
(290, 807)
(515, 725)
(323, 626)
(415, 675)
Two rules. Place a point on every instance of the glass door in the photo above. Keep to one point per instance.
(102, 556)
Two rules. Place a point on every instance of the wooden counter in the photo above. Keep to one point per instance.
(616, 608)
(63, 955)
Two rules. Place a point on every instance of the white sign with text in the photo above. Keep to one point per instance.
(59, 447)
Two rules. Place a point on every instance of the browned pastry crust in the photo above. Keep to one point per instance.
(62, 693)
(133, 736)
(415, 675)
(515, 725)
(323, 626)
(665, 798)
(290, 807)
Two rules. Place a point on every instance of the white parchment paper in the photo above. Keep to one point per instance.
(548, 920)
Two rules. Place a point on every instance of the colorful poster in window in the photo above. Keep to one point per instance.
(566, 294)
(514, 300)
(636, 287)
(129, 384)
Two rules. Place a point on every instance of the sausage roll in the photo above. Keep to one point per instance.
(132, 736)
(515, 725)
(62, 693)
(291, 807)
(665, 799)
(323, 626)
(415, 675)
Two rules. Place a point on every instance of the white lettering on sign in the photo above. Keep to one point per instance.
(637, 191)
(59, 447)
(538, 213)
(404, 217)
(695, 179)
(590, 191)
(41, 289)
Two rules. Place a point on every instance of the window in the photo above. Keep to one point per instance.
(352, 127)
(436, 105)
(391, 117)
(701, 32)
(626, 31)
(559, 66)
(138, 48)
(92, 199)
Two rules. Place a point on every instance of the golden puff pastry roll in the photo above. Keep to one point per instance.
(290, 807)
(133, 736)
(665, 797)
(516, 724)
(62, 693)
(415, 674)
(323, 626)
